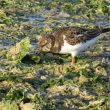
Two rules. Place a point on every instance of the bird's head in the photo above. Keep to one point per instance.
(45, 43)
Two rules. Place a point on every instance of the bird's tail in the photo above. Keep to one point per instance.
(105, 30)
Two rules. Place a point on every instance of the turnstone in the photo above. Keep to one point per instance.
(71, 40)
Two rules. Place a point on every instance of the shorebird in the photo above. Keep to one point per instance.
(70, 40)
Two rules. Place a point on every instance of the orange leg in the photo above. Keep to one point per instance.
(73, 61)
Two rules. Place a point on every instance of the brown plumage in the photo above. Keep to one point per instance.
(73, 36)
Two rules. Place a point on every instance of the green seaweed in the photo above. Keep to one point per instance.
(19, 50)
(48, 81)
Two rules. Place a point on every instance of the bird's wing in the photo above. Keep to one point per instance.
(77, 35)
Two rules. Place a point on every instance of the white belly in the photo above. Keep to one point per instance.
(75, 49)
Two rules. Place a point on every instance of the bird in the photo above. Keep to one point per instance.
(70, 40)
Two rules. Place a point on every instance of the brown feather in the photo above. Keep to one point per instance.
(73, 35)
